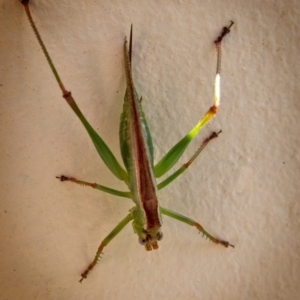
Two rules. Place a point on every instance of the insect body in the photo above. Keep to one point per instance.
(137, 154)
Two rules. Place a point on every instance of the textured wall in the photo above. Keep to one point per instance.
(242, 188)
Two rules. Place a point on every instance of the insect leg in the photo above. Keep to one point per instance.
(168, 161)
(191, 222)
(105, 242)
(96, 186)
(187, 164)
(105, 153)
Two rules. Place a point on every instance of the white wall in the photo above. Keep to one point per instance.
(242, 188)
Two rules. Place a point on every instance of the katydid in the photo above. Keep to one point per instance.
(136, 147)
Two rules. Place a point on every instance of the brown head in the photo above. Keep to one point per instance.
(149, 238)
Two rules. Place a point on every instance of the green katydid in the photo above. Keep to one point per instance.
(136, 146)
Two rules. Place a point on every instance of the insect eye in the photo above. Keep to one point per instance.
(142, 241)
(159, 236)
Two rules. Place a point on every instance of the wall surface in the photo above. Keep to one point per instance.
(244, 187)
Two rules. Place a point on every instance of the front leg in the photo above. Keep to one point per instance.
(191, 222)
(104, 243)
